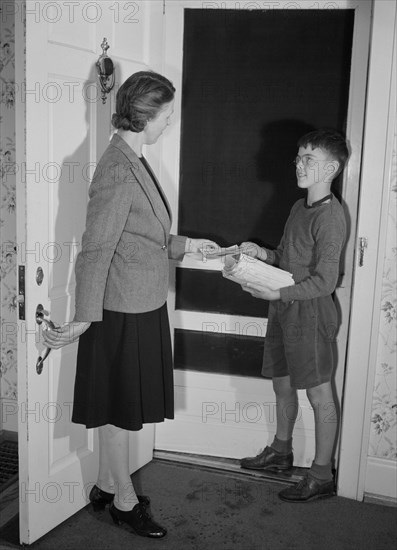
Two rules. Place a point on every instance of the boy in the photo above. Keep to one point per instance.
(302, 319)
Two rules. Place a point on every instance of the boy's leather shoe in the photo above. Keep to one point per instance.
(268, 459)
(308, 489)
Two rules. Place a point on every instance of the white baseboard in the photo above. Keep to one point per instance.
(381, 478)
(378, 499)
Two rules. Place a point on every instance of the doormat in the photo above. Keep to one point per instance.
(10, 533)
(8, 463)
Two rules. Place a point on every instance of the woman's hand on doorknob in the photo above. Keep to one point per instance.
(64, 335)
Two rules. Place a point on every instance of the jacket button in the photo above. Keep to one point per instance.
(164, 247)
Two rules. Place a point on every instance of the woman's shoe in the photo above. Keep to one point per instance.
(99, 498)
(139, 520)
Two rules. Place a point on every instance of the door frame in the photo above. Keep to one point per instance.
(367, 283)
(355, 129)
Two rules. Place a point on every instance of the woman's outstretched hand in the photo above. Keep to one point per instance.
(66, 334)
(205, 247)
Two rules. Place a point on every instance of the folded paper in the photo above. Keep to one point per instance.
(243, 269)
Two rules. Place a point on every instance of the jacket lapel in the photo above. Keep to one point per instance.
(156, 196)
(152, 175)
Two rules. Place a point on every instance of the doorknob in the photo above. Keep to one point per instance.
(40, 313)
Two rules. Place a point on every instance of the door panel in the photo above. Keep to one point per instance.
(67, 129)
(214, 408)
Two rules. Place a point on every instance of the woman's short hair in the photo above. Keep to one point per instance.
(140, 98)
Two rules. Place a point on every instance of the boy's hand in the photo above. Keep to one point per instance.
(262, 291)
(255, 251)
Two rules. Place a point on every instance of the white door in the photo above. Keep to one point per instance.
(67, 128)
(234, 416)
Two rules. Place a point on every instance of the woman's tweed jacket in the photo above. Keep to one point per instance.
(123, 264)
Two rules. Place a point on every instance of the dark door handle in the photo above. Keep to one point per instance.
(40, 319)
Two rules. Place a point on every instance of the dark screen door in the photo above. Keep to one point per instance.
(253, 83)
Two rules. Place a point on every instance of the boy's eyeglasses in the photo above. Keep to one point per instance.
(307, 161)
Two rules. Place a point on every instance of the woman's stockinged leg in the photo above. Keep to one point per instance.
(114, 451)
(126, 507)
(105, 477)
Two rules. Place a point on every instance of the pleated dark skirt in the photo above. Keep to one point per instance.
(124, 373)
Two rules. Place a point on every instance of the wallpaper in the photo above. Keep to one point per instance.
(8, 366)
(383, 437)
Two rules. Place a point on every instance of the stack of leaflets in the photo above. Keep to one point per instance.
(244, 269)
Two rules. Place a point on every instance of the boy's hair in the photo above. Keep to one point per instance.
(330, 141)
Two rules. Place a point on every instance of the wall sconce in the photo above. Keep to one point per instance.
(105, 70)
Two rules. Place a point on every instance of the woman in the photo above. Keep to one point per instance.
(124, 372)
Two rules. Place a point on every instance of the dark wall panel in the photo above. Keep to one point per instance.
(221, 353)
(200, 290)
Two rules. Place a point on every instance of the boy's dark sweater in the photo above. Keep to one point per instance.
(310, 249)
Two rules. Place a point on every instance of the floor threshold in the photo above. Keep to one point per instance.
(229, 466)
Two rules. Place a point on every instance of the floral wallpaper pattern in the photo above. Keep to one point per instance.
(383, 437)
(8, 313)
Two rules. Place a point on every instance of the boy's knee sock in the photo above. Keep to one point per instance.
(321, 472)
(282, 446)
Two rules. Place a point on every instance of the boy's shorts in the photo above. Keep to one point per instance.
(300, 341)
